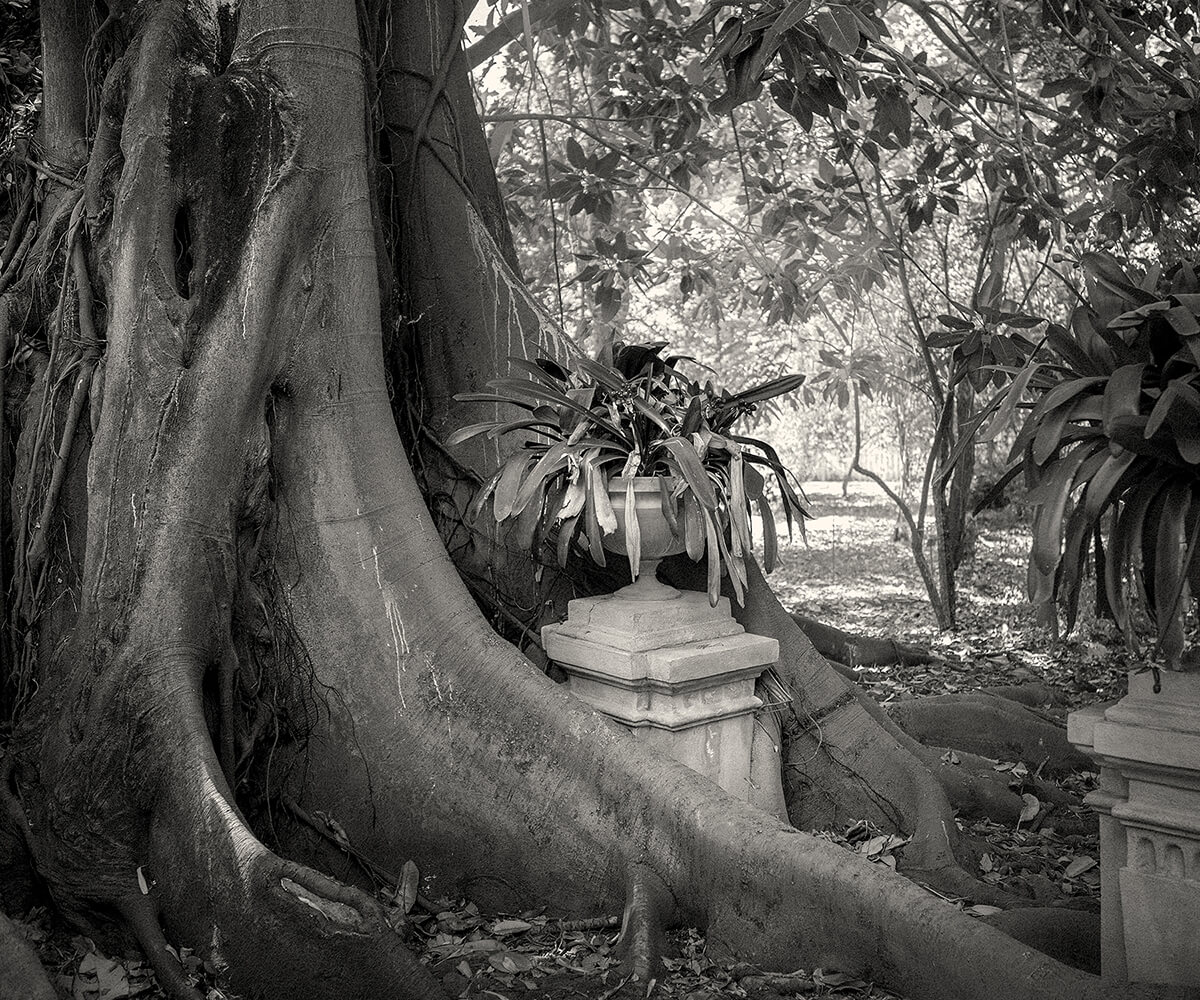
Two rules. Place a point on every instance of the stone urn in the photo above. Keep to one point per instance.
(1148, 748)
(678, 675)
(657, 539)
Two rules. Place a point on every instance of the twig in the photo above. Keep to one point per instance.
(784, 984)
(506, 31)
(573, 122)
(54, 175)
(589, 924)
(615, 990)
(374, 870)
(1040, 818)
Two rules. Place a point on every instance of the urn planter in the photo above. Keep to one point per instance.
(656, 540)
(675, 672)
(1148, 748)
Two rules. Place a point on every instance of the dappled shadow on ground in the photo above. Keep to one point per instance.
(850, 572)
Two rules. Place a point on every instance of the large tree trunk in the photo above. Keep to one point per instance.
(262, 609)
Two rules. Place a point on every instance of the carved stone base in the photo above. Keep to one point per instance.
(1148, 747)
(679, 675)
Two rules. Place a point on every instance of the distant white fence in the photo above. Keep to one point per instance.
(882, 459)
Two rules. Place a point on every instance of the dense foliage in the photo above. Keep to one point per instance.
(597, 427)
(1112, 446)
(881, 198)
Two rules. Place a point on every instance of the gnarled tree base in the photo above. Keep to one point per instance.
(254, 544)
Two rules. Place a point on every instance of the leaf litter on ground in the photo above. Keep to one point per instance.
(851, 575)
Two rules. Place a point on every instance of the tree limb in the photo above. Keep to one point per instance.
(1125, 44)
(512, 27)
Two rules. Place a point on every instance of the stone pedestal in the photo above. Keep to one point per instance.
(1148, 747)
(1112, 789)
(678, 674)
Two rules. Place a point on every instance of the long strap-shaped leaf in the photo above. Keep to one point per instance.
(536, 371)
(1126, 531)
(510, 483)
(592, 524)
(768, 390)
(633, 531)
(770, 539)
(566, 534)
(1170, 581)
(481, 497)
(693, 472)
(1052, 400)
(735, 564)
(553, 461)
(693, 527)
(1118, 469)
(669, 505)
(1122, 395)
(714, 557)
(1047, 523)
(1074, 558)
(547, 394)
(738, 515)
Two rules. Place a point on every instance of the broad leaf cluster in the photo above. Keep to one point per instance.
(1112, 446)
(588, 423)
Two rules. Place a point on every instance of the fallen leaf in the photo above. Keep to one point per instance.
(464, 969)
(1080, 865)
(1030, 809)
(502, 928)
(873, 846)
(334, 827)
(837, 980)
(983, 910)
(406, 891)
(465, 947)
(511, 962)
(985, 863)
(102, 978)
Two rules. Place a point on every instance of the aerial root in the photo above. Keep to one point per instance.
(649, 906)
(141, 915)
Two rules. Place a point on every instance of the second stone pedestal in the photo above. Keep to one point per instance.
(678, 673)
(1148, 746)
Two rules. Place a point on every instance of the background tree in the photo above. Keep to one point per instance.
(942, 159)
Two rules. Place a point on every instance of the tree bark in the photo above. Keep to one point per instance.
(264, 610)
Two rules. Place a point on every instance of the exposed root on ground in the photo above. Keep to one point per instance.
(990, 726)
(856, 650)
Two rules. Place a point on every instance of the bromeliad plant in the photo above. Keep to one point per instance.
(588, 423)
(1112, 447)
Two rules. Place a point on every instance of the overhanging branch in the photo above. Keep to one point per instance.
(512, 27)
